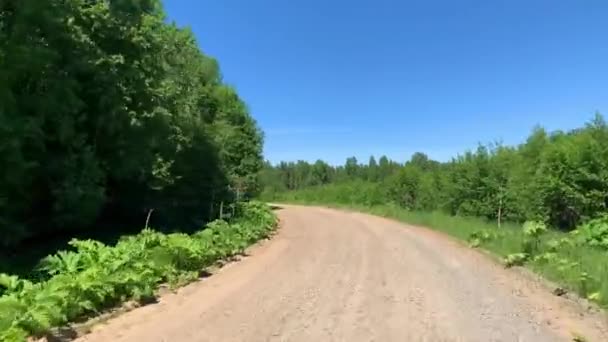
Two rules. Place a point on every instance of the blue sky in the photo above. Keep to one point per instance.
(333, 78)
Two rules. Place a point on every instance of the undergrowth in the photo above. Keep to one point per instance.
(94, 277)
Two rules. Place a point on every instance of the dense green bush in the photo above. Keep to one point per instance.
(560, 178)
(108, 111)
(94, 276)
(357, 192)
(593, 233)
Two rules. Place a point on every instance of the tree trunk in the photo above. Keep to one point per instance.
(499, 212)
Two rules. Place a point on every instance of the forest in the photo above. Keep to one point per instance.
(560, 178)
(114, 124)
(107, 112)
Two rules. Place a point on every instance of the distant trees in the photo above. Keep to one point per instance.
(352, 168)
(108, 110)
(558, 177)
(301, 174)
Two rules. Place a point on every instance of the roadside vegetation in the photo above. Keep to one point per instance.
(109, 111)
(92, 276)
(111, 120)
(542, 204)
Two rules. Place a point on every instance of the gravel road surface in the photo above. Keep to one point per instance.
(332, 275)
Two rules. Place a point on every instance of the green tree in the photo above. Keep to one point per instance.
(320, 173)
(560, 178)
(351, 167)
(108, 110)
(373, 171)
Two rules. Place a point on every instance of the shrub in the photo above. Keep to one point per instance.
(95, 276)
(594, 233)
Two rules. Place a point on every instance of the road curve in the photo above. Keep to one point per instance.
(331, 275)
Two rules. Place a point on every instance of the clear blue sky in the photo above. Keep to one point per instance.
(334, 78)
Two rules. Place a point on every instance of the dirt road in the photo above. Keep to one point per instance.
(336, 276)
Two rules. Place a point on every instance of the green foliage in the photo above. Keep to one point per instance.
(356, 192)
(479, 237)
(95, 276)
(301, 175)
(533, 231)
(595, 296)
(107, 110)
(516, 259)
(593, 233)
(559, 178)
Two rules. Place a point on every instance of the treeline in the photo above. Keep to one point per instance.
(107, 111)
(298, 175)
(557, 177)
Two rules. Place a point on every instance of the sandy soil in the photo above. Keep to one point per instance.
(331, 275)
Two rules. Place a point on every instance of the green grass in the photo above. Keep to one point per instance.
(588, 277)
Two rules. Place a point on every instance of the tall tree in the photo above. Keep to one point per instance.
(107, 110)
